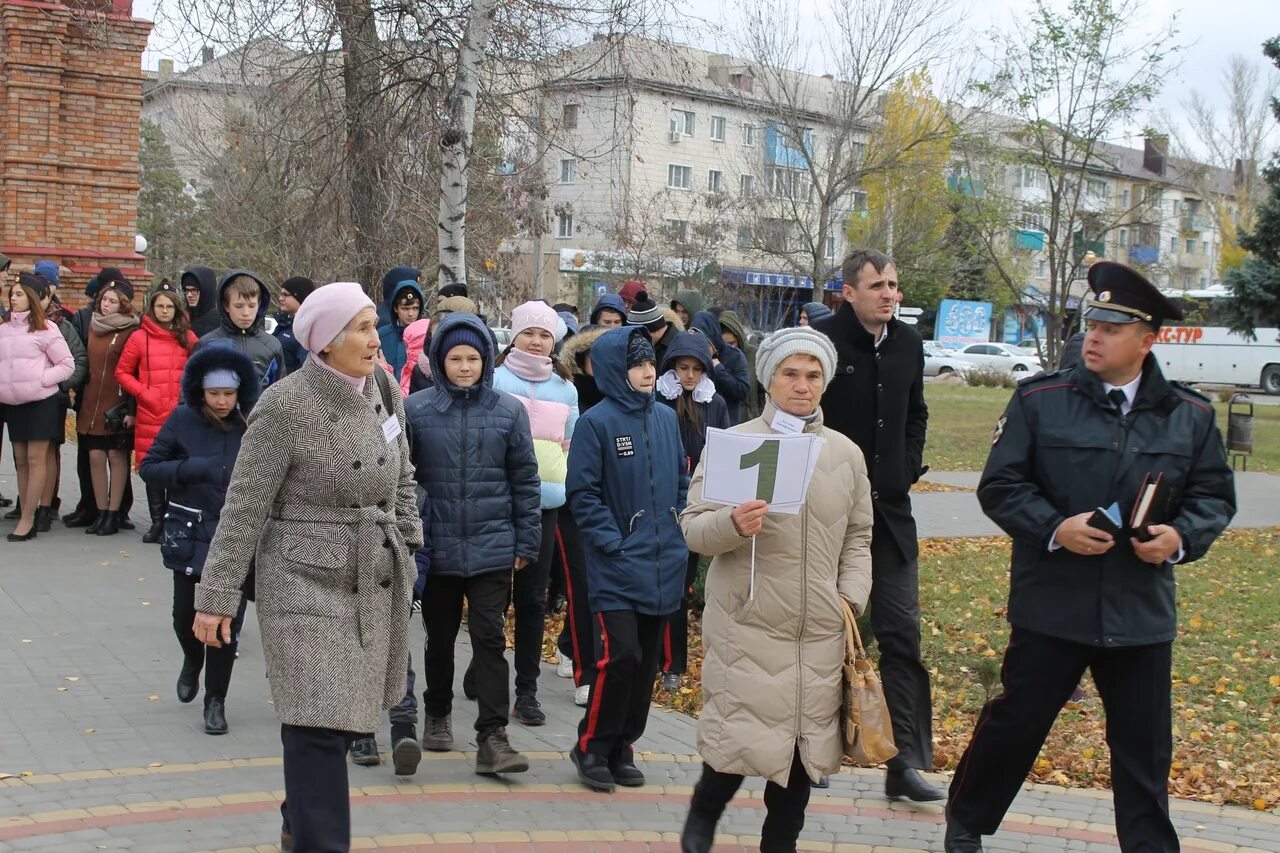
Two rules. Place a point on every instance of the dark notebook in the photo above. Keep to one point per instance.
(1149, 507)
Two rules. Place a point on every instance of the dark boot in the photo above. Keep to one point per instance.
(624, 770)
(15, 513)
(907, 783)
(156, 505)
(110, 525)
(215, 716)
(960, 840)
(83, 516)
(99, 518)
(44, 518)
(406, 752)
(496, 755)
(699, 830)
(593, 771)
(189, 680)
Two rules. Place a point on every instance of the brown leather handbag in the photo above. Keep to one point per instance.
(866, 733)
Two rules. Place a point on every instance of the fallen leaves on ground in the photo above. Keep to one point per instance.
(1226, 675)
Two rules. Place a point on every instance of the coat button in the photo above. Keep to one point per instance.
(355, 590)
(880, 422)
(877, 458)
(385, 584)
(355, 506)
(849, 369)
(386, 543)
(382, 460)
(875, 496)
(378, 408)
(879, 387)
(382, 504)
(356, 464)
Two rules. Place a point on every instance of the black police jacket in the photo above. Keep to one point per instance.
(876, 399)
(1061, 448)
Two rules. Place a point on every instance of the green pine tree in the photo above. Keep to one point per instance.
(1255, 285)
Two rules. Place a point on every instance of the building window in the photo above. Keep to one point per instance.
(1124, 199)
(678, 230)
(679, 177)
(1124, 237)
(569, 116)
(1173, 244)
(564, 225)
(1042, 268)
(1096, 188)
(568, 171)
(717, 128)
(741, 81)
(861, 201)
(744, 237)
(747, 186)
(715, 181)
(791, 184)
(1204, 247)
(857, 152)
(749, 134)
(1031, 221)
(831, 246)
(1191, 247)
(682, 121)
(1034, 178)
(1175, 206)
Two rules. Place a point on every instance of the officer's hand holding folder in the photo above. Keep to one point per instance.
(1149, 507)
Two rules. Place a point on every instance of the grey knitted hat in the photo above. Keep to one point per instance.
(802, 340)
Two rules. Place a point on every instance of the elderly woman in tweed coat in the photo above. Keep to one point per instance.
(322, 497)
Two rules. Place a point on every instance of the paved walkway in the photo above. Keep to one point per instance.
(96, 753)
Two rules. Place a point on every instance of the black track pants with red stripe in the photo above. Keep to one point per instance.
(626, 666)
(675, 637)
(579, 635)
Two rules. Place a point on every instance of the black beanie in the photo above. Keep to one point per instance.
(121, 285)
(299, 287)
(38, 283)
(455, 289)
(639, 350)
(645, 312)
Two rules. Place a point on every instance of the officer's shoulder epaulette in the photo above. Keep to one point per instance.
(1192, 396)
(1040, 377)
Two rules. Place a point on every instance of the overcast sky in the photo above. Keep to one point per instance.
(1212, 29)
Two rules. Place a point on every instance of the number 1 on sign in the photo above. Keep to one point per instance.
(766, 457)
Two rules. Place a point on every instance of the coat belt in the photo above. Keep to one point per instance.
(371, 523)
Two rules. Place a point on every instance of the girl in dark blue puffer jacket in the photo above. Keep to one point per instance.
(192, 459)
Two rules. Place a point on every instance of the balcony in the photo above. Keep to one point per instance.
(1144, 254)
(1196, 222)
(967, 186)
(778, 150)
(1193, 261)
(1028, 239)
(1080, 247)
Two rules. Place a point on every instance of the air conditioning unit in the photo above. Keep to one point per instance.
(676, 136)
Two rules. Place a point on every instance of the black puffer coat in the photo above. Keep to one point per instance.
(474, 457)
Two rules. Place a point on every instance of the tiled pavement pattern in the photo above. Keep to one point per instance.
(96, 753)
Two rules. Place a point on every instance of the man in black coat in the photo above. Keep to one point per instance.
(877, 399)
(1088, 591)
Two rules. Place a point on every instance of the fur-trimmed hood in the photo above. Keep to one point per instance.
(219, 356)
(577, 346)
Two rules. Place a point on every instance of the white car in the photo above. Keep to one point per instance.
(1005, 358)
(503, 336)
(940, 361)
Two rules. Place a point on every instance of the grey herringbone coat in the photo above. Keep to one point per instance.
(326, 506)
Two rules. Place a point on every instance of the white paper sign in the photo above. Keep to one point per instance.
(739, 467)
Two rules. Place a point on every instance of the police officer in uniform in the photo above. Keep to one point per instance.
(1081, 598)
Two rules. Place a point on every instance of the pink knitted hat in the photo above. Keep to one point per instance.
(326, 312)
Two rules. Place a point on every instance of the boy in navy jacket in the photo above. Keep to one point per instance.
(627, 483)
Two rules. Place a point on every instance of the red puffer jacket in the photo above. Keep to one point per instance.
(150, 369)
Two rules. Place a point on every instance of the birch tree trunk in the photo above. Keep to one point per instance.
(455, 143)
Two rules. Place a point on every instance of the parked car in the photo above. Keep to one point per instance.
(1005, 358)
(939, 361)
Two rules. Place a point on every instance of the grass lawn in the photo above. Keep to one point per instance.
(961, 421)
(1226, 680)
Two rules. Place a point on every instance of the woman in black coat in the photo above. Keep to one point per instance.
(192, 458)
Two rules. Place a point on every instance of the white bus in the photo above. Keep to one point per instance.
(1203, 353)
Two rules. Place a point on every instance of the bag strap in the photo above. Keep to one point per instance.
(852, 637)
(384, 390)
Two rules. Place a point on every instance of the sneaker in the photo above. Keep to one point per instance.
(438, 734)
(671, 681)
(364, 751)
(495, 755)
(406, 754)
(593, 770)
(564, 668)
(624, 770)
(582, 695)
(528, 711)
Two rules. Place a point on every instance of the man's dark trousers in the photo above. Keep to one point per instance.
(1039, 674)
(895, 621)
(486, 596)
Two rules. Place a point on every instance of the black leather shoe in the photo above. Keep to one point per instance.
(15, 513)
(44, 518)
(908, 784)
(960, 840)
(80, 518)
(124, 522)
(625, 772)
(188, 681)
(699, 833)
(92, 528)
(4, 502)
(110, 525)
(215, 716)
(364, 751)
(23, 537)
(593, 770)
(154, 532)
(156, 507)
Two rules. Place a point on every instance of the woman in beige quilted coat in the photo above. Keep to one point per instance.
(322, 499)
(771, 676)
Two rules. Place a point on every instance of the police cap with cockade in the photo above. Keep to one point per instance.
(1123, 295)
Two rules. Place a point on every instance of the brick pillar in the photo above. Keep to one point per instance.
(70, 98)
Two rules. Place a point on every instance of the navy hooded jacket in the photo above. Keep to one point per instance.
(392, 333)
(733, 381)
(394, 276)
(611, 301)
(713, 414)
(192, 459)
(256, 342)
(474, 458)
(627, 485)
